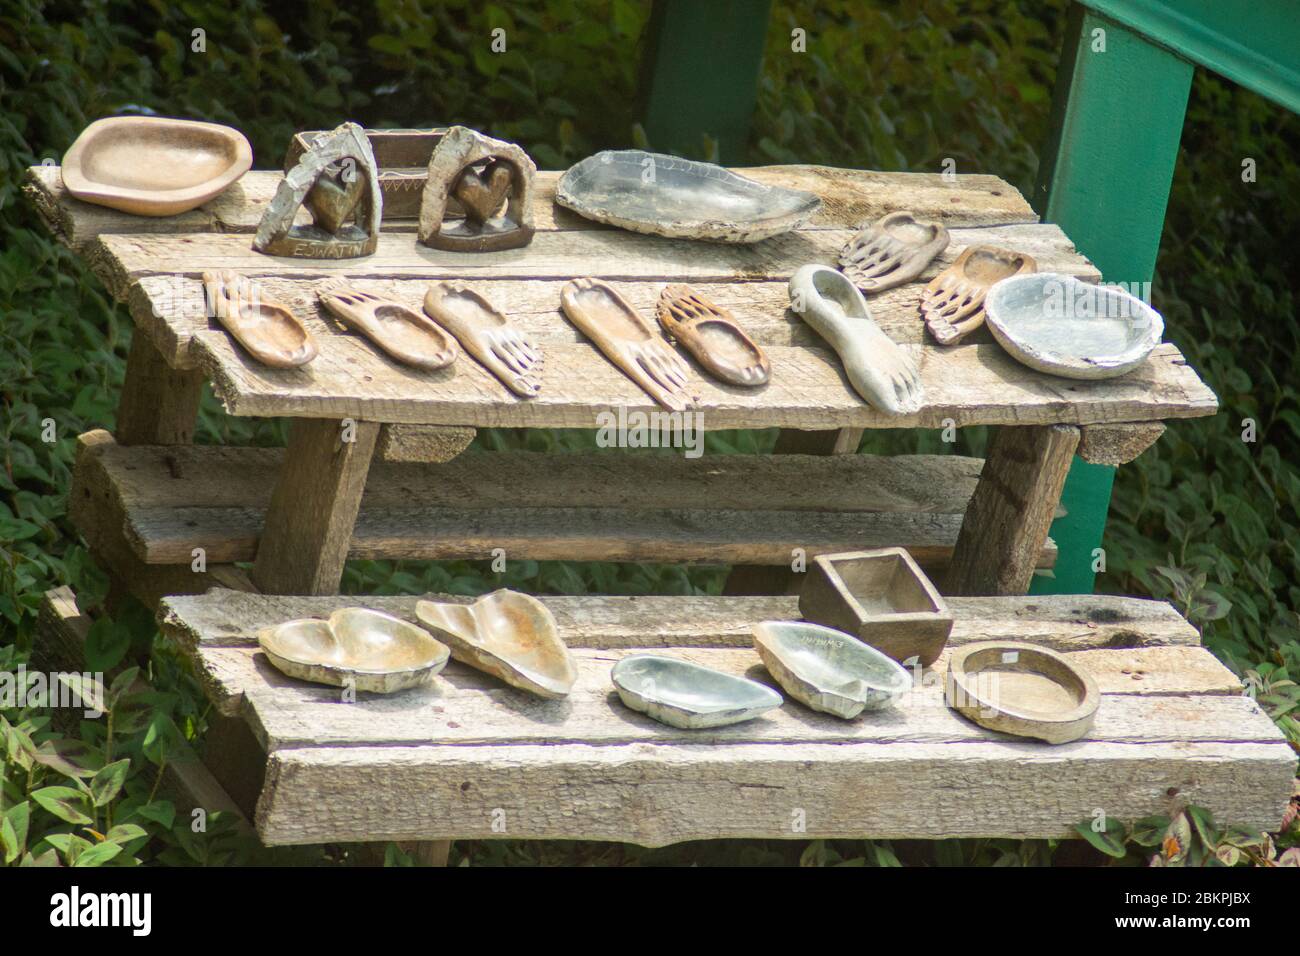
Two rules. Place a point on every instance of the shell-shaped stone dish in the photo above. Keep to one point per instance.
(1061, 325)
(827, 669)
(1022, 689)
(681, 198)
(509, 635)
(686, 695)
(369, 650)
(152, 166)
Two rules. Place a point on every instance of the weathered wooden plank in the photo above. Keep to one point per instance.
(969, 385)
(172, 309)
(313, 506)
(1011, 510)
(661, 794)
(1117, 444)
(1118, 630)
(462, 706)
(1060, 621)
(164, 502)
(1188, 696)
(430, 444)
(849, 197)
(95, 509)
(120, 260)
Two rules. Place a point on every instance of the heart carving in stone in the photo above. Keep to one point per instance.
(483, 193)
(334, 197)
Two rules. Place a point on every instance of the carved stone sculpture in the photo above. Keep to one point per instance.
(336, 181)
(483, 175)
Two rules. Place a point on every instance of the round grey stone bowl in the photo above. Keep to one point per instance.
(1058, 324)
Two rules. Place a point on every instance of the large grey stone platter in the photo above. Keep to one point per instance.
(680, 198)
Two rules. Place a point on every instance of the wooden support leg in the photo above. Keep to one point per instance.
(1013, 505)
(159, 404)
(314, 507)
(778, 578)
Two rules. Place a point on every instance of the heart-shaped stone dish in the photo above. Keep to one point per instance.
(827, 669)
(357, 647)
(508, 635)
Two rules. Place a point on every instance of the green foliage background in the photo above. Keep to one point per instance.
(1204, 518)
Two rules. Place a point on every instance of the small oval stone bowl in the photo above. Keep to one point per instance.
(829, 670)
(686, 695)
(368, 650)
(1022, 689)
(1060, 325)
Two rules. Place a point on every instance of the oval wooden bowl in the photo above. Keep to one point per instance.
(152, 166)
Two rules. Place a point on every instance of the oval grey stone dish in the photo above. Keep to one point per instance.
(1058, 324)
(827, 669)
(366, 649)
(689, 696)
(680, 198)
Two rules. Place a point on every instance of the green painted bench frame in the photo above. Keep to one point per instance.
(1117, 118)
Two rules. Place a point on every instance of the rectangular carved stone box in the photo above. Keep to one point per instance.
(881, 597)
(403, 157)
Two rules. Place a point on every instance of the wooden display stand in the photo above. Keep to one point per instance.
(433, 766)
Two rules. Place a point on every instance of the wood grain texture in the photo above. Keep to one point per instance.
(309, 519)
(607, 505)
(1117, 444)
(1011, 510)
(435, 764)
(159, 405)
(172, 310)
(96, 510)
(661, 794)
(968, 385)
(849, 197)
(466, 707)
(430, 444)
(1122, 627)
(119, 260)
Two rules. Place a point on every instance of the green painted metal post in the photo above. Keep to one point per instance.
(700, 75)
(1105, 179)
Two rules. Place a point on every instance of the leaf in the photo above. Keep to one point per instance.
(162, 812)
(10, 848)
(16, 821)
(128, 836)
(1203, 823)
(1109, 841)
(1177, 840)
(97, 855)
(107, 784)
(63, 802)
(1148, 831)
(106, 644)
